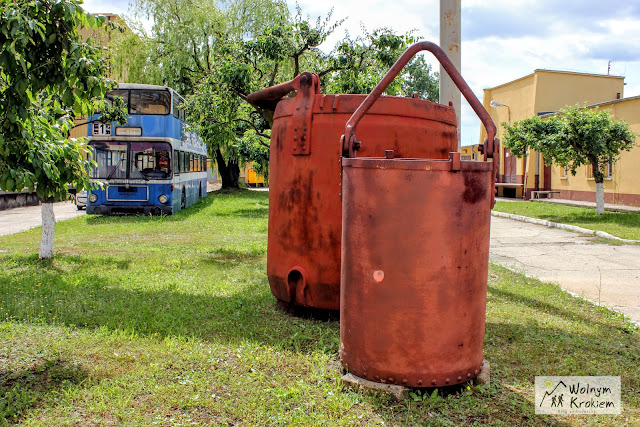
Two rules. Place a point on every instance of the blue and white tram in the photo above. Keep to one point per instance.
(150, 165)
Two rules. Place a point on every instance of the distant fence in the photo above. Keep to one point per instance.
(9, 200)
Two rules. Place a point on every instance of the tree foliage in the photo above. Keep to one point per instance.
(48, 77)
(574, 137)
(218, 53)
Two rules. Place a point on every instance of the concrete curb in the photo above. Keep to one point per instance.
(568, 227)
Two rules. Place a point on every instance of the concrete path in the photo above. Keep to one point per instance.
(609, 274)
(21, 219)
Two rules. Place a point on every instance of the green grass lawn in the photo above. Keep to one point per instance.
(621, 224)
(170, 321)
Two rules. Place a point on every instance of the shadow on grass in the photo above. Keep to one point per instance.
(456, 405)
(21, 391)
(542, 306)
(518, 347)
(226, 259)
(97, 301)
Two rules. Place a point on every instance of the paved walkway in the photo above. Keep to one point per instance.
(21, 219)
(609, 274)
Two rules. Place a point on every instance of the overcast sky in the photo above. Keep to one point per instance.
(502, 40)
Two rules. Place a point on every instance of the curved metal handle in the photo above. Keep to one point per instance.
(269, 97)
(349, 143)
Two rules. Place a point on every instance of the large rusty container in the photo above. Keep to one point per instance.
(304, 238)
(415, 253)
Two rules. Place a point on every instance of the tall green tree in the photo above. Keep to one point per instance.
(183, 49)
(280, 53)
(48, 77)
(216, 53)
(572, 138)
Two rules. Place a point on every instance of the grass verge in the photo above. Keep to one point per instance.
(620, 224)
(170, 321)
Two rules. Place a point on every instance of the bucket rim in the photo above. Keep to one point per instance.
(386, 106)
(415, 164)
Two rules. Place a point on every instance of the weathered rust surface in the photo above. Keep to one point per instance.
(415, 251)
(303, 255)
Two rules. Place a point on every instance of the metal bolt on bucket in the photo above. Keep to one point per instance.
(415, 252)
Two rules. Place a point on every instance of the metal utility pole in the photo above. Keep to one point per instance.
(450, 42)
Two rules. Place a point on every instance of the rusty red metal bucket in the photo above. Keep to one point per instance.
(305, 211)
(415, 251)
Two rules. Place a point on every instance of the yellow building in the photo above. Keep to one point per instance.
(542, 92)
(249, 176)
(622, 182)
(470, 152)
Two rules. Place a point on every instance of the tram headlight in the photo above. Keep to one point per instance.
(93, 198)
(163, 199)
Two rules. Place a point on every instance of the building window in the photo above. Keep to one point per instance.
(607, 170)
(564, 172)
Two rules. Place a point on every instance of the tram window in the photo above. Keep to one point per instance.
(150, 101)
(184, 161)
(121, 93)
(150, 160)
(111, 158)
(176, 107)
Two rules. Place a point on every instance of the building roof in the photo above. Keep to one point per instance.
(601, 104)
(614, 101)
(542, 70)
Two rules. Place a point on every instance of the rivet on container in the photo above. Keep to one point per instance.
(434, 382)
(390, 379)
(459, 378)
(419, 382)
(404, 381)
(447, 381)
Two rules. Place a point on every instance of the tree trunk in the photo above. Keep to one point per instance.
(229, 171)
(599, 197)
(48, 228)
(598, 176)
